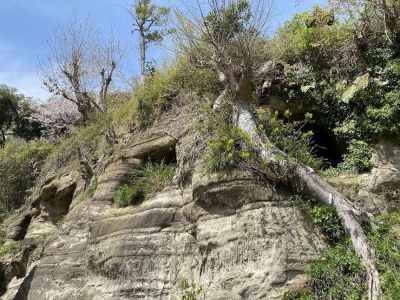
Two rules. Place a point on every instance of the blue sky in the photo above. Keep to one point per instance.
(25, 27)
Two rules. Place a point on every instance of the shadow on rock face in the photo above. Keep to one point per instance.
(25, 286)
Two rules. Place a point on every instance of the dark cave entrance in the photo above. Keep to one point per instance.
(326, 145)
(166, 155)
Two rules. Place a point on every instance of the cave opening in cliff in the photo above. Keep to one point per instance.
(165, 155)
(326, 146)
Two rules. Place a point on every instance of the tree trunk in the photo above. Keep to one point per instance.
(319, 189)
(142, 54)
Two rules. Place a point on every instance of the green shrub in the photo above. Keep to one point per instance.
(229, 146)
(327, 219)
(338, 275)
(145, 181)
(20, 164)
(351, 89)
(297, 294)
(290, 137)
(371, 109)
(358, 158)
(385, 237)
(311, 37)
(128, 195)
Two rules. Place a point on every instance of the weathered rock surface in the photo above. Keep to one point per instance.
(55, 197)
(14, 264)
(379, 190)
(18, 226)
(251, 245)
(231, 235)
(385, 177)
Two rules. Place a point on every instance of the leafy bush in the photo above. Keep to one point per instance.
(227, 148)
(372, 111)
(358, 158)
(291, 137)
(385, 237)
(297, 294)
(327, 219)
(128, 195)
(312, 37)
(20, 164)
(348, 79)
(149, 179)
(229, 145)
(338, 275)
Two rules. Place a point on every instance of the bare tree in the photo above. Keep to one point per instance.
(148, 20)
(80, 67)
(224, 35)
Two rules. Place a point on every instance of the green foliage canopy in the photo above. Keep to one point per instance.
(20, 164)
(16, 116)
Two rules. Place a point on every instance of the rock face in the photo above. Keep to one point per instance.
(231, 235)
(385, 177)
(14, 266)
(55, 197)
(377, 191)
(252, 249)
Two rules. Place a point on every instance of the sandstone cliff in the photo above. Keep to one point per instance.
(230, 235)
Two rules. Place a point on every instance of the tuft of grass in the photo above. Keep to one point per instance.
(9, 247)
(331, 172)
(129, 195)
(145, 181)
(159, 91)
(189, 290)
